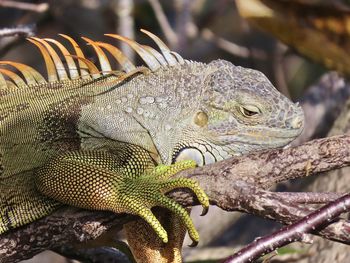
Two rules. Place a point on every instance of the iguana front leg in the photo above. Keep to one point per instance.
(101, 181)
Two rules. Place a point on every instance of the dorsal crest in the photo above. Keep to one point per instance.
(77, 66)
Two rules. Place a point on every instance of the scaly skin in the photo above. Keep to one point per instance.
(175, 111)
(101, 181)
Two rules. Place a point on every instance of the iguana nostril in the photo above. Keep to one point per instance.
(296, 123)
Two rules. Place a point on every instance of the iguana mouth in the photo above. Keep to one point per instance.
(271, 134)
(254, 138)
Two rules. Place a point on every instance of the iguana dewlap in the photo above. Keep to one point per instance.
(87, 124)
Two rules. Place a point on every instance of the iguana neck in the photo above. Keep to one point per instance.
(148, 110)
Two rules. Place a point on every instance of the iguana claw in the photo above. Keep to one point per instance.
(205, 211)
(194, 244)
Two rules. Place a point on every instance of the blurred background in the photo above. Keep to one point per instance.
(302, 46)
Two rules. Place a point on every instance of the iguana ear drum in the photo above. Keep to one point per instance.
(201, 119)
(189, 153)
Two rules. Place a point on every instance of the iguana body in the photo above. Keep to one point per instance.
(85, 125)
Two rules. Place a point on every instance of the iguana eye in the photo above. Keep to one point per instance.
(249, 110)
(201, 119)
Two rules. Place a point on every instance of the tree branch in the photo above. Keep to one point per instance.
(169, 33)
(231, 47)
(308, 197)
(39, 8)
(23, 30)
(276, 207)
(123, 10)
(233, 184)
(293, 233)
(9, 37)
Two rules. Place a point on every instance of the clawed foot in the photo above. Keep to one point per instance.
(142, 193)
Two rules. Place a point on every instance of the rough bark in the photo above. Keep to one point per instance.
(325, 251)
(234, 184)
(296, 232)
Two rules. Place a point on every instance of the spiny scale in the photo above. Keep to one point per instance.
(84, 68)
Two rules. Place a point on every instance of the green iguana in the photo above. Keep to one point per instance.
(93, 138)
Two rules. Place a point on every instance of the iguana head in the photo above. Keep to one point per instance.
(239, 112)
(205, 112)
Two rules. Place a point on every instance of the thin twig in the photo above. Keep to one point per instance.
(185, 27)
(292, 233)
(164, 23)
(231, 47)
(23, 30)
(278, 69)
(9, 37)
(39, 8)
(123, 10)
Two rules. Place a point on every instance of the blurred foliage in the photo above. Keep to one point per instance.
(319, 30)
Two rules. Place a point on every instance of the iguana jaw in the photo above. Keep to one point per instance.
(226, 146)
(264, 136)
